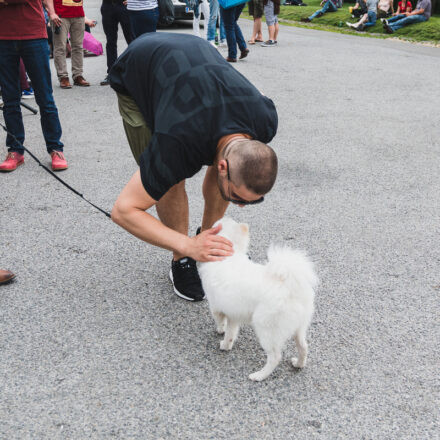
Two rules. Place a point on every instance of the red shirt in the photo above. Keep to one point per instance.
(405, 7)
(68, 8)
(22, 20)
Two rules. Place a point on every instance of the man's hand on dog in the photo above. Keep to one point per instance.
(208, 246)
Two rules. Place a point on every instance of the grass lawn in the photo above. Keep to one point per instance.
(335, 21)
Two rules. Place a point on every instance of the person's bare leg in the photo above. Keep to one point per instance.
(271, 30)
(215, 206)
(277, 28)
(173, 211)
(258, 32)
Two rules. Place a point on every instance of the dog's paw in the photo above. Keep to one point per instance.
(297, 364)
(225, 345)
(221, 329)
(257, 376)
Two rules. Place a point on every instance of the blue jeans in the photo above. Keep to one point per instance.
(143, 21)
(328, 7)
(399, 21)
(372, 17)
(233, 31)
(212, 24)
(35, 55)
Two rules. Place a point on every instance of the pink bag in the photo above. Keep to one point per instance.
(91, 44)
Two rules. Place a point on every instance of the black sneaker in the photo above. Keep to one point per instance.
(186, 280)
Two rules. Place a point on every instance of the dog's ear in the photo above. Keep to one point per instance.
(244, 228)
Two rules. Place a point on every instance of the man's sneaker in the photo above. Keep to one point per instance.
(384, 20)
(28, 94)
(12, 161)
(305, 20)
(186, 280)
(222, 43)
(105, 81)
(59, 162)
(269, 43)
(388, 29)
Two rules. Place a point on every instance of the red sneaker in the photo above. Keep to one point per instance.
(12, 161)
(59, 162)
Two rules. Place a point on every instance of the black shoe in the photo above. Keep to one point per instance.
(387, 28)
(186, 280)
(306, 20)
(105, 82)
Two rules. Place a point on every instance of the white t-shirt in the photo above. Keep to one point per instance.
(141, 5)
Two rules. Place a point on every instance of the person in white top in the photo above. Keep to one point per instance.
(385, 8)
(144, 15)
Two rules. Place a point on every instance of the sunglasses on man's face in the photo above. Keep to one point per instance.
(240, 202)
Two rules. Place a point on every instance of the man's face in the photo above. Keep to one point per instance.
(233, 193)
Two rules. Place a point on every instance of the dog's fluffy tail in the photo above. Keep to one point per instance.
(291, 266)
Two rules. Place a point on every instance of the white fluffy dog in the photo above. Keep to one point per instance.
(276, 298)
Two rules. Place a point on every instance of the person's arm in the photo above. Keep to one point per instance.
(415, 12)
(392, 7)
(129, 213)
(51, 11)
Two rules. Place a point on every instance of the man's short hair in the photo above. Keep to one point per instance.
(255, 165)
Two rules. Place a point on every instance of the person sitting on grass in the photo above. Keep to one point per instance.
(359, 9)
(402, 7)
(385, 8)
(327, 6)
(419, 15)
(368, 19)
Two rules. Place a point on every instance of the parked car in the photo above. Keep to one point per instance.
(181, 11)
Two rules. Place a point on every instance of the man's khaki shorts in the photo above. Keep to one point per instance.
(136, 129)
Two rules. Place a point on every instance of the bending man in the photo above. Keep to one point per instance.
(183, 106)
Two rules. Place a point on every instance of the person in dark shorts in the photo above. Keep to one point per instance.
(183, 106)
(256, 11)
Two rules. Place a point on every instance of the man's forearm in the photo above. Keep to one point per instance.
(149, 229)
(48, 4)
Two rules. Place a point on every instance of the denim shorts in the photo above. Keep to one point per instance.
(271, 18)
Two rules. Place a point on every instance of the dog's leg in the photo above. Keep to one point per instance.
(220, 321)
(273, 359)
(301, 345)
(231, 333)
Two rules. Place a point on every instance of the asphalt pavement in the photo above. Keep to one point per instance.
(95, 345)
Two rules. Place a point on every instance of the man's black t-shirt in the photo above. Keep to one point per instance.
(190, 97)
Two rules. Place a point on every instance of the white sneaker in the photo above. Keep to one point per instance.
(222, 43)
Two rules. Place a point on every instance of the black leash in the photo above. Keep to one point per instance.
(54, 175)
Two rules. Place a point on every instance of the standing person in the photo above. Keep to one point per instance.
(256, 10)
(234, 36)
(271, 11)
(23, 35)
(71, 16)
(214, 16)
(144, 15)
(419, 15)
(168, 86)
(201, 7)
(114, 12)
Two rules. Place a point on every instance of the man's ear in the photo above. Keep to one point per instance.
(222, 167)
